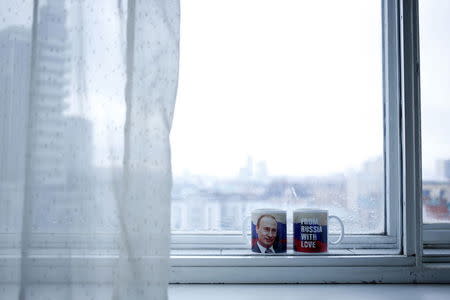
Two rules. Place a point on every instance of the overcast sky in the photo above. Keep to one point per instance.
(435, 83)
(298, 85)
(294, 83)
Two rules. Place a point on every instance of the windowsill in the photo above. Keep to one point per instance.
(245, 291)
(242, 252)
(206, 253)
(46, 267)
(307, 291)
(432, 255)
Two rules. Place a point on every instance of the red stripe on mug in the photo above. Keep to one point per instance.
(310, 246)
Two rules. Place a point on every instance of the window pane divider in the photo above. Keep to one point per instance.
(410, 117)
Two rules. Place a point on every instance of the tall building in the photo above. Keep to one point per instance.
(261, 170)
(443, 169)
(15, 53)
(246, 172)
(50, 88)
(59, 147)
(366, 195)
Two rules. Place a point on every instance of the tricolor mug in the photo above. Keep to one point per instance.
(311, 230)
(268, 231)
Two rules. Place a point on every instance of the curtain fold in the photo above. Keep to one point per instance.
(87, 94)
(152, 73)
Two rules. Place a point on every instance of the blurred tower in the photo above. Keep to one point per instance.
(50, 88)
(246, 172)
(365, 194)
(15, 53)
(261, 171)
(46, 177)
(443, 169)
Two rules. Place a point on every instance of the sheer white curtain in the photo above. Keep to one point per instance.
(87, 93)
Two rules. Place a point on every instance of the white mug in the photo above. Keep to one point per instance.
(268, 228)
(311, 230)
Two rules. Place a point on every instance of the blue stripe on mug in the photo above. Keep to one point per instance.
(310, 238)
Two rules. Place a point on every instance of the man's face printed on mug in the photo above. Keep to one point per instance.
(267, 231)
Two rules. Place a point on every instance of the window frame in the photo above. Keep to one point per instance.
(436, 235)
(391, 239)
(403, 168)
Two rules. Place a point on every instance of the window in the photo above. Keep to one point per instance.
(285, 104)
(258, 81)
(435, 95)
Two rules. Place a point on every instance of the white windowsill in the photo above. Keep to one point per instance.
(307, 291)
(246, 291)
(46, 268)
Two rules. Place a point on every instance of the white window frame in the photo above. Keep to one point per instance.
(436, 235)
(400, 23)
(403, 170)
(392, 157)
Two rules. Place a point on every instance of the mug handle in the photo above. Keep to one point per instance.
(244, 230)
(339, 240)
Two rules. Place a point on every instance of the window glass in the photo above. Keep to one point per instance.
(276, 97)
(434, 18)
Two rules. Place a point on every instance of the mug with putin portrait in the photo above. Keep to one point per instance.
(268, 228)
